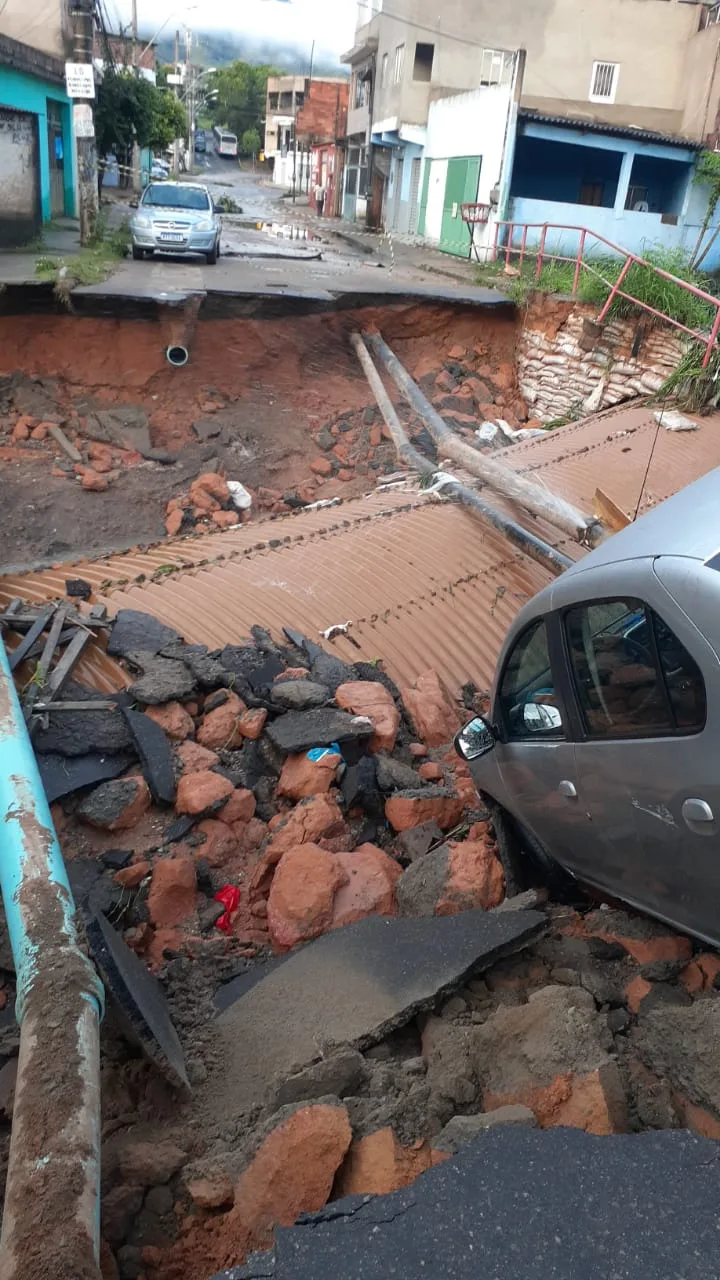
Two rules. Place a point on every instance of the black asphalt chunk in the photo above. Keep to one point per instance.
(301, 730)
(139, 1000)
(522, 1204)
(134, 632)
(178, 829)
(156, 755)
(62, 775)
(354, 986)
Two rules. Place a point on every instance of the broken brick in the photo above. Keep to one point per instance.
(210, 484)
(372, 700)
(240, 806)
(369, 885)
(430, 772)
(431, 709)
(406, 809)
(225, 519)
(171, 899)
(220, 729)
(93, 482)
(116, 805)
(302, 894)
(193, 758)
(202, 792)
(252, 723)
(321, 466)
(221, 842)
(130, 877)
(302, 777)
(173, 523)
(377, 1165)
(173, 719)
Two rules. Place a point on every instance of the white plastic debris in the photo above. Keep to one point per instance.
(440, 480)
(239, 494)
(487, 431)
(671, 420)
(522, 433)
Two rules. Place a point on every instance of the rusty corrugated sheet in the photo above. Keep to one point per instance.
(424, 583)
(613, 451)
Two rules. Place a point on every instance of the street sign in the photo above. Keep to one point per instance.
(174, 79)
(83, 121)
(80, 79)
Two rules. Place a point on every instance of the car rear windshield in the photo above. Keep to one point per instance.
(168, 197)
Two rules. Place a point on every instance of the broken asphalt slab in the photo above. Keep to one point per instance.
(354, 986)
(522, 1204)
(139, 1000)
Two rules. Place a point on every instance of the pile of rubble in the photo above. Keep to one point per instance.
(292, 845)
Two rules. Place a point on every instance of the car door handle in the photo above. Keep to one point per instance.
(568, 789)
(697, 811)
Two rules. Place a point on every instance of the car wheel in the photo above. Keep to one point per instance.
(212, 256)
(138, 254)
(526, 862)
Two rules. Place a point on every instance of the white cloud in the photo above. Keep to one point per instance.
(331, 23)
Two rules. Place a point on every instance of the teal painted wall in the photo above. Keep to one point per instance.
(29, 93)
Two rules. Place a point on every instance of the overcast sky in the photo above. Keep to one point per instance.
(330, 22)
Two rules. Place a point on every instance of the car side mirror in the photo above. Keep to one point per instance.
(134, 204)
(538, 717)
(475, 740)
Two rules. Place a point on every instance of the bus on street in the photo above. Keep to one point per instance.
(226, 144)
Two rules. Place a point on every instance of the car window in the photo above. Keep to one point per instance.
(169, 197)
(632, 675)
(528, 703)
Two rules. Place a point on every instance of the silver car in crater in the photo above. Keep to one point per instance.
(600, 756)
(176, 217)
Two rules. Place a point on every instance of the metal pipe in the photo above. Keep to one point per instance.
(541, 502)
(51, 1220)
(538, 550)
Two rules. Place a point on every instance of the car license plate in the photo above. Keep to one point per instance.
(174, 237)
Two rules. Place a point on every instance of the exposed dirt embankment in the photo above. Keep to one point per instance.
(252, 401)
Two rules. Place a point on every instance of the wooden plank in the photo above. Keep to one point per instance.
(64, 667)
(26, 644)
(59, 436)
(609, 512)
(39, 677)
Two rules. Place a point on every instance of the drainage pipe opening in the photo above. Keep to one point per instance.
(177, 356)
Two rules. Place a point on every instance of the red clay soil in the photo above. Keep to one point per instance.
(273, 384)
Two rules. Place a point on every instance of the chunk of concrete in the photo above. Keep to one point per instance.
(463, 1129)
(338, 1074)
(163, 680)
(137, 632)
(299, 695)
(522, 1203)
(301, 730)
(354, 986)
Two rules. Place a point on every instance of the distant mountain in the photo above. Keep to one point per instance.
(216, 49)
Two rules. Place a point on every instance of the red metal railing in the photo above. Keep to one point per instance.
(581, 263)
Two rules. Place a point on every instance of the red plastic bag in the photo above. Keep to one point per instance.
(229, 895)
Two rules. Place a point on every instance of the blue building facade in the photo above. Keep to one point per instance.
(37, 154)
(630, 186)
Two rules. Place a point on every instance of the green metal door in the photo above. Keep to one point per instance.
(461, 187)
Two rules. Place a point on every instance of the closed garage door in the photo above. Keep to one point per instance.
(20, 182)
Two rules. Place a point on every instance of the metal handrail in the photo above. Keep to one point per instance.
(580, 263)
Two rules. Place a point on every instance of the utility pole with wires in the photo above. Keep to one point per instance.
(176, 145)
(83, 27)
(136, 177)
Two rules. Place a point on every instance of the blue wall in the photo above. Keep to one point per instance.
(29, 93)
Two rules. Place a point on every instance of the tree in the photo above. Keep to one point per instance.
(707, 174)
(169, 120)
(131, 110)
(250, 142)
(241, 92)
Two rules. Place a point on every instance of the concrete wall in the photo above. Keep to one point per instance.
(42, 24)
(19, 166)
(29, 93)
(468, 124)
(562, 38)
(702, 81)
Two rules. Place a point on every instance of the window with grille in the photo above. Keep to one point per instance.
(496, 66)
(603, 83)
(399, 63)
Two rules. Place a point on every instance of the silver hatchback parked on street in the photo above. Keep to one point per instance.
(176, 217)
(601, 752)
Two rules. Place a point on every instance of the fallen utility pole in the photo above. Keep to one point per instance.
(541, 551)
(502, 479)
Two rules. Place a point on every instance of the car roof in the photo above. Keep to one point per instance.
(191, 186)
(688, 524)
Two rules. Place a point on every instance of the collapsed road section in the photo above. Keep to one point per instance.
(316, 987)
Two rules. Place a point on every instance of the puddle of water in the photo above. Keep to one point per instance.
(280, 230)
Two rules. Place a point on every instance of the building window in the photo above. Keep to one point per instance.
(709, 17)
(398, 64)
(603, 83)
(384, 70)
(273, 100)
(361, 94)
(423, 65)
(496, 66)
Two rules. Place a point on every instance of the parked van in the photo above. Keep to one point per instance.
(601, 752)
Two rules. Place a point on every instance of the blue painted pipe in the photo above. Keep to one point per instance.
(54, 1164)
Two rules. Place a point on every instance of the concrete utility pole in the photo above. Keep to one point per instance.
(176, 147)
(82, 14)
(136, 72)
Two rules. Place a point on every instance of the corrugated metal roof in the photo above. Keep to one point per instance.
(615, 130)
(625, 452)
(424, 583)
